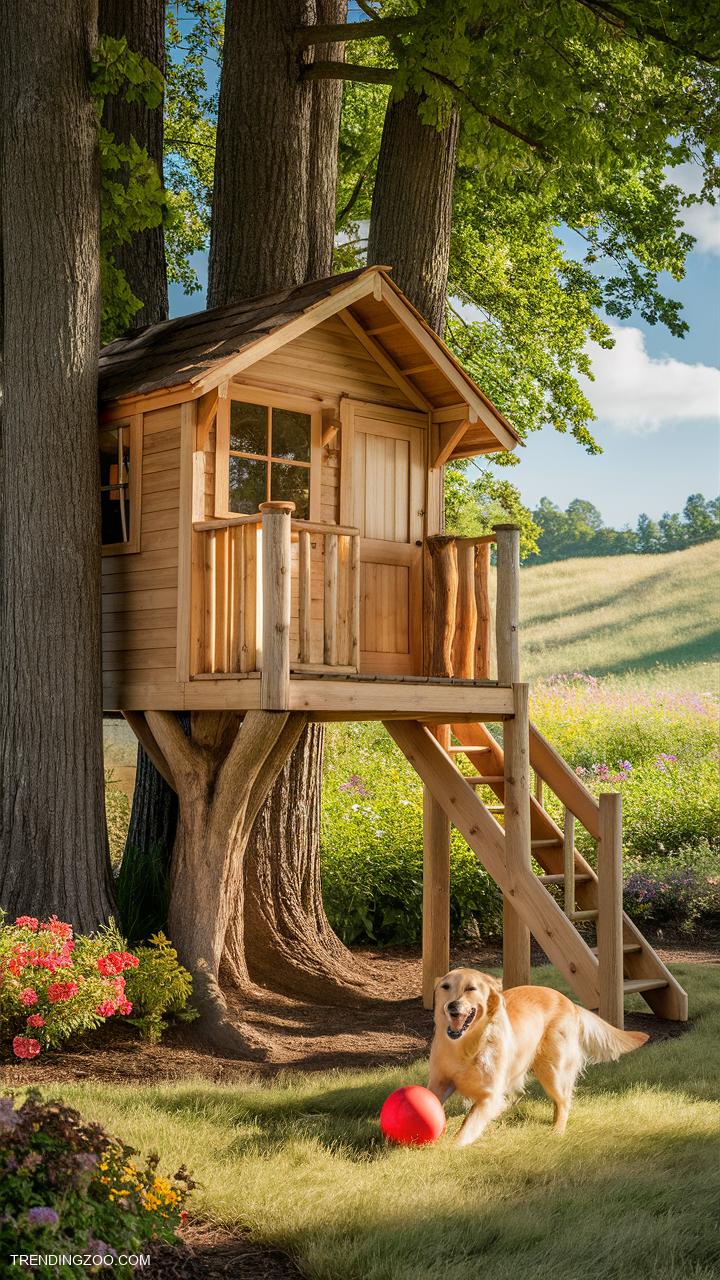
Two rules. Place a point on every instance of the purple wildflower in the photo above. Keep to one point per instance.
(42, 1216)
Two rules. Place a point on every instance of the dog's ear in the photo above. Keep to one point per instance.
(494, 1002)
(495, 983)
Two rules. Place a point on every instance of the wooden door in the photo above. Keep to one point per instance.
(383, 495)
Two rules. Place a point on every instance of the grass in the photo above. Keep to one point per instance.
(630, 1192)
(644, 618)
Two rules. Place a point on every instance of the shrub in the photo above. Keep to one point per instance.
(682, 889)
(117, 814)
(67, 1187)
(54, 985)
(158, 987)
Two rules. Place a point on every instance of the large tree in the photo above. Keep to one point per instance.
(53, 842)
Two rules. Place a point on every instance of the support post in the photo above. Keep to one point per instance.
(465, 614)
(507, 609)
(482, 606)
(516, 935)
(610, 910)
(275, 681)
(436, 886)
(304, 593)
(443, 554)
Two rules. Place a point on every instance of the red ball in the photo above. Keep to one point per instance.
(412, 1116)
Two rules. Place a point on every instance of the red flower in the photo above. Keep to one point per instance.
(183, 1215)
(105, 1009)
(115, 961)
(125, 1007)
(36, 1020)
(23, 1047)
(28, 996)
(59, 991)
(26, 922)
(118, 985)
(58, 928)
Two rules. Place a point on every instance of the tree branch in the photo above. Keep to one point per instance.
(354, 196)
(346, 32)
(614, 17)
(348, 71)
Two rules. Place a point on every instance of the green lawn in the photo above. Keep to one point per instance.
(653, 617)
(630, 1192)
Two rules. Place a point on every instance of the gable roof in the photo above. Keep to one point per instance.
(200, 350)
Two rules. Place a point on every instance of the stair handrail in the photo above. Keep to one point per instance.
(560, 778)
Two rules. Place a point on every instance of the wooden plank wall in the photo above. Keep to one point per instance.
(139, 591)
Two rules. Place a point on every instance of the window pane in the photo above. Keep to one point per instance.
(248, 485)
(115, 485)
(248, 427)
(291, 484)
(290, 435)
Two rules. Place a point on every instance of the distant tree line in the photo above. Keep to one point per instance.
(579, 530)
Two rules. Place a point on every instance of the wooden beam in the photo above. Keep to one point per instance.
(146, 738)
(188, 415)
(383, 359)
(516, 935)
(206, 411)
(436, 887)
(610, 910)
(507, 609)
(449, 435)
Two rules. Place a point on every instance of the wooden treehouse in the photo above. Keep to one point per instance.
(272, 514)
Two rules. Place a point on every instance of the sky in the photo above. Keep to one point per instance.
(657, 400)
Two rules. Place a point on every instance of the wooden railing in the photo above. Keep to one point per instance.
(273, 594)
(459, 605)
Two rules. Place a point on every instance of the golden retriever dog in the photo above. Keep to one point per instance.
(487, 1041)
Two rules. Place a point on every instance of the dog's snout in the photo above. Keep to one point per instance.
(453, 1006)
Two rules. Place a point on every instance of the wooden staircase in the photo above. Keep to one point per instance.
(475, 802)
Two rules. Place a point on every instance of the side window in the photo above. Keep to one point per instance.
(118, 498)
(269, 457)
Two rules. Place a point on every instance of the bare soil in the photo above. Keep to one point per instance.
(300, 1036)
(206, 1254)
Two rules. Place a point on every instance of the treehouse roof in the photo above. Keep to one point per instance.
(197, 352)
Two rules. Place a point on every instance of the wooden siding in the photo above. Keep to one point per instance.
(139, 592)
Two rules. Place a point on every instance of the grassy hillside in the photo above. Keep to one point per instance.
(654, 615)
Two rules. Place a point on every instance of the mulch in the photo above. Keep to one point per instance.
(215, 1255)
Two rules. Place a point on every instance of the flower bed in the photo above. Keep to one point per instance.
(54, 985)
(69, 1189)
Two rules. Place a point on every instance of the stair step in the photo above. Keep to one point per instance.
(583, 915)
(456, 751)
(481, 780)
(545, 844)
(495, 808)
(629, 948)
(643, 984)
(560, 879)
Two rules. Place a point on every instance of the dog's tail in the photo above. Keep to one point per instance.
(602, 1043)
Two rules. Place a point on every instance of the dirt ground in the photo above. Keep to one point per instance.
(299, 1036)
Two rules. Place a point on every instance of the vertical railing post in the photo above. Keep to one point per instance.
(443, 555)
(507, 609)
(465, 613)
(276, 580)
(518, 847)
(610, 910)
(355, 602)
(330, 604)
(304, 594)
(482, 608)
(569, 863)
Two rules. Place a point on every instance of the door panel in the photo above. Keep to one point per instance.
(383, 481)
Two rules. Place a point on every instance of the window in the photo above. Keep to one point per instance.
(270, 456)
(118, 505)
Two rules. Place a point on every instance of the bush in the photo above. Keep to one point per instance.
(158, 987)
(54, 985)
(67, 1187)
(117, 814)
(681, 889)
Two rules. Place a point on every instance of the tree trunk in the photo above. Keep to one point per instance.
(222, 776)
(411, 214)
(326, 101)
(259, 237)
(283, 938)
(53, 840)
(273, 225)
(142, 260)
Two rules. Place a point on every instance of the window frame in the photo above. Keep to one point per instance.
(135, 424)
(269, 400)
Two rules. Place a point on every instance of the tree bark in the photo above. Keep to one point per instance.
(222, 776)
(53, 840)
(325, 105)
(411, 216)
(283, 938)
(142, 260)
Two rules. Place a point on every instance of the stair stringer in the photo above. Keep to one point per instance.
(667, 1002)
(556, 934)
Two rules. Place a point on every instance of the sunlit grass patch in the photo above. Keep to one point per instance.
(630, 1191)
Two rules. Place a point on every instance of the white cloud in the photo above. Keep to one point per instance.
(701, 220)
(639, 393)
